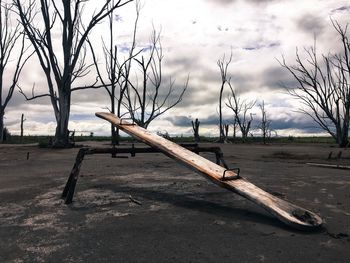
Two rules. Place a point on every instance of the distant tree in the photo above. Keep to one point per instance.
(234, 126)
(223, 66)
(149, 99)
(241, 111)
(264, 123)
(324, 87)
(117, 71)
(59, 39)
(11, 37)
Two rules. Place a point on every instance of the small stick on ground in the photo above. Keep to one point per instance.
(333, 166)
(134, 200)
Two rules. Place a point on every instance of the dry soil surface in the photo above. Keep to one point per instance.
(151, 209)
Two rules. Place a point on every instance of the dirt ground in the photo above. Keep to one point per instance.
(151, 209)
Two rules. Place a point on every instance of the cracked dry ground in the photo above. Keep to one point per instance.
(151, 209)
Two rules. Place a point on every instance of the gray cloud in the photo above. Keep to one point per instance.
(304, 124)
(260, 46)
(311, 24)
(227, 2)
(224, 2)
(277, 78)
(81, 117)
(345, 8)
(185, 121)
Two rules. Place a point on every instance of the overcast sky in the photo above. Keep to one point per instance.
(195, 34)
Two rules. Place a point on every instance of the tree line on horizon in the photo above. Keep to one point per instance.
(323, 83)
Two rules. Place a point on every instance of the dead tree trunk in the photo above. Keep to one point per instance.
(241, 110)
(226, 128)
(61, 139)
(59, 40)
(265, 123)
(2, 113)
(11, 38)
(223, 66)
(234, 129)
(22, 121)
(195, 127)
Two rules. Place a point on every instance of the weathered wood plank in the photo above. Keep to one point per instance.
(288, 213)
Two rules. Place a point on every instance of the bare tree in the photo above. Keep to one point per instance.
(323, 87)
(223, 66)
(116, 71)
(11, 37)
(150, 98)
(241, 110)
(61, 23)
(264, 123)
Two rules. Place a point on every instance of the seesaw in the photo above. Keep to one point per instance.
(290, 214)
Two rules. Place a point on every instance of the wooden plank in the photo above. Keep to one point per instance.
(288, 213)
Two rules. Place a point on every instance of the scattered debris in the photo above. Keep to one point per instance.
(219, 222)
(330, 155)
(338, 236)
(268, 234)
(333, 166)
(134, 200)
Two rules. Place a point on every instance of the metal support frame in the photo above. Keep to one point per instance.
(69, 189)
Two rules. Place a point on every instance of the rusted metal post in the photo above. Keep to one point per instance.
(69, 188)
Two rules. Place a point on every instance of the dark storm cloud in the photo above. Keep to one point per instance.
(181, 121)
(261, 46)
(311, 24)
(345, 8)
(243, 82)
(81, 117)
(18, 100)
(11, 122)
(184, 61)
(278, 78)
(192, 96)
(185, 121)
(304, 124)
(226, 2)
(207, 91)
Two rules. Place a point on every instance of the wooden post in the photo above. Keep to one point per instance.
(22, 121)
(69, 189)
